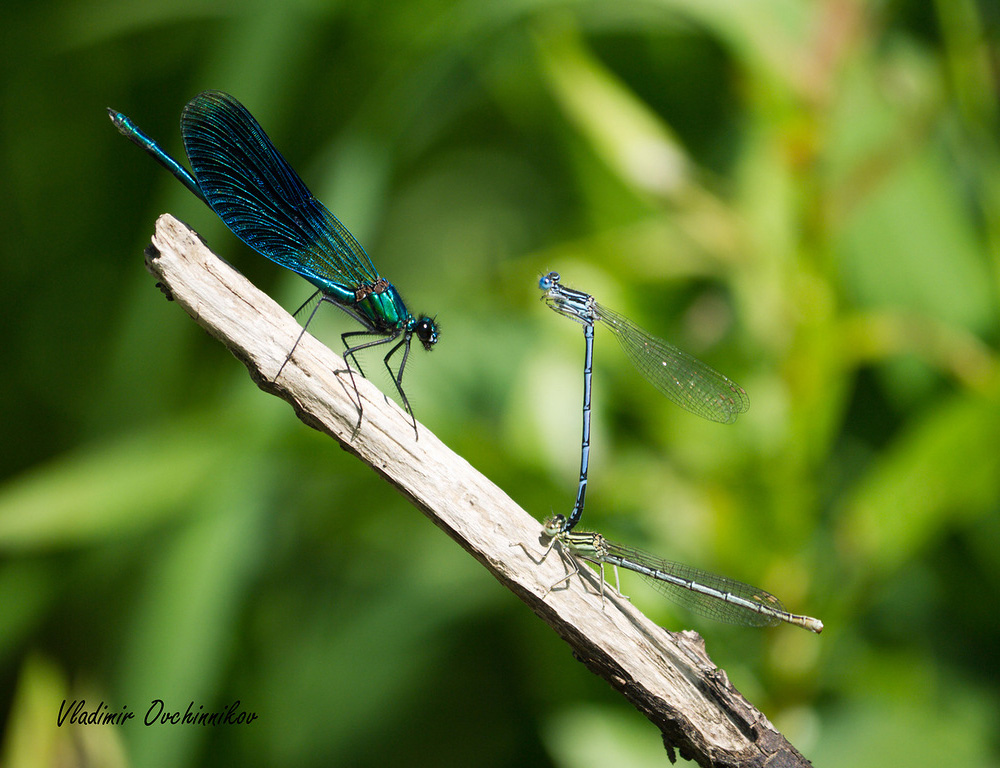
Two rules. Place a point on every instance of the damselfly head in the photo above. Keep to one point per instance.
(553, 526)
(549, 281)
(426, 329)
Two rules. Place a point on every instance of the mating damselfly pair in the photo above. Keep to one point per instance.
(698, 388)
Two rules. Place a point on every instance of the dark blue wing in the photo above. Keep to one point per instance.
(261, 198)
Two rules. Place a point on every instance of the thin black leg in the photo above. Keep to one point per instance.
(350, 352)
(301, 333)
(397, 377)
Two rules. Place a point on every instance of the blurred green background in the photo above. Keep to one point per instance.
(804, 194)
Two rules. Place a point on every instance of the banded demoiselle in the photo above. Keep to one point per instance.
(684, 379)
(240, 175)
(708, 594)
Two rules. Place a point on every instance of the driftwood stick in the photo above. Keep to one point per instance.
(667, 676)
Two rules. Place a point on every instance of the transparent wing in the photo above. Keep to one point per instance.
(683, 378)
(703, 602)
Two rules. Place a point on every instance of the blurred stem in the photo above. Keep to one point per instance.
(968, 62)
(875, 336)
(974, 84)
(634, 142)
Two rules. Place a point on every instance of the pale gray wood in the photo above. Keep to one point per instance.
(667, 676)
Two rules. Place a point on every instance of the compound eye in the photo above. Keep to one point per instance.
(427, 331)
(554, 525)
(549, 281)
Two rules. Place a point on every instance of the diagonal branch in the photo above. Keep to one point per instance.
(667, 676)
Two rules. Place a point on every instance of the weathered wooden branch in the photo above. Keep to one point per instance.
(667, 676)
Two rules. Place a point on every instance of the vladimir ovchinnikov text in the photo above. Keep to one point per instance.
(74, 713)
